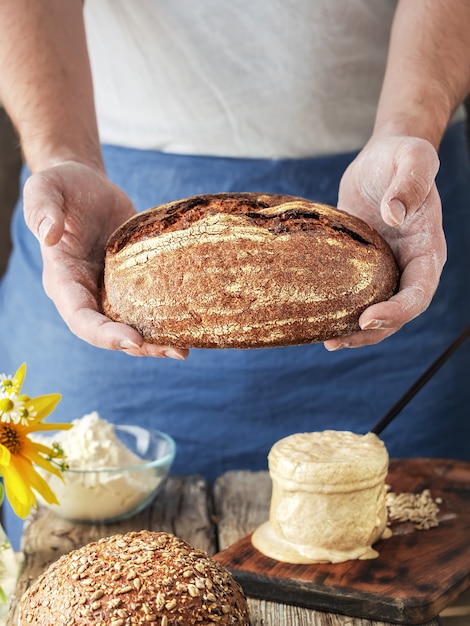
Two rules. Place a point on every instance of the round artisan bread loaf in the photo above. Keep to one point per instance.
(146, 578)
(244, 270)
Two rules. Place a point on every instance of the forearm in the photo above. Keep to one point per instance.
(45, 82)
(428, 69)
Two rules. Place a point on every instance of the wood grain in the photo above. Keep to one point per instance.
(188, 507)
(417, 573)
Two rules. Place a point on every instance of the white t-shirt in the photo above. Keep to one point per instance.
(246, 78)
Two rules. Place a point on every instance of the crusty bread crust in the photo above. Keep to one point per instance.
(140, 578)
(244, 270)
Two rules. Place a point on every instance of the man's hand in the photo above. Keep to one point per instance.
(390, 185)
(72, 209)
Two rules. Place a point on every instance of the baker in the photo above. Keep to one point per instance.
(122, 106)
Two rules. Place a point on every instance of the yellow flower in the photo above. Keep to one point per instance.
(18, 454)
(13, 384)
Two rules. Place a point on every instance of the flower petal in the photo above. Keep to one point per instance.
(33, 451)
(43, 405)
(17, 489)
(18, 378)
(20, 480)
(37, 428)
(5, 455)
(41, 486)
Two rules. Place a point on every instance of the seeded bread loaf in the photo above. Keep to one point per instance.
(140, 578)
(244, 270)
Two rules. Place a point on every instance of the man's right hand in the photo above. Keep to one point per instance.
(72, 209)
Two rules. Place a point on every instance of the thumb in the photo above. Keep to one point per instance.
(43, 209)
(416, 167)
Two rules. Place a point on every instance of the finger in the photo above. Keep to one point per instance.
(77, 304)
(96, 329)
(43, 209)
(149, 349)
(357, 340)
(417, 166)
(381, 321)
(418, 284)
(101, 332)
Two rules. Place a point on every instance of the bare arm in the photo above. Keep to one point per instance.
(45, 82)
(391, 184)
(428, 69)
(69, 203)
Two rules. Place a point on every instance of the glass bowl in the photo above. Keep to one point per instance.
(92, 495)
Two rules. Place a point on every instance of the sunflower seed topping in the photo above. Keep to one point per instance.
(138, 579)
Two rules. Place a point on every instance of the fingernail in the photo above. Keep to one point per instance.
(172, 354)
(372, 325)
(44, 229)
(339, 346)
(127, 344)
(397, 211)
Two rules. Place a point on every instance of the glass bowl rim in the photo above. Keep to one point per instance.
(162, 461)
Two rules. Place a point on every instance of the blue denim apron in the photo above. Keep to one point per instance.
(225, 408)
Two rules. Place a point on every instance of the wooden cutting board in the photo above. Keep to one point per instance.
(417, 573)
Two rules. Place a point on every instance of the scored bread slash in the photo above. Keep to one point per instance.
(244, 270)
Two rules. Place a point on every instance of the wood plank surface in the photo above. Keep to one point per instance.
(189, 508)
(417, 574)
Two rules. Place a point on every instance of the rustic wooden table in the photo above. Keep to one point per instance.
(210, 519)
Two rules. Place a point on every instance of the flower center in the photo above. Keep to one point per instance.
(6, 405)
(10, 438)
